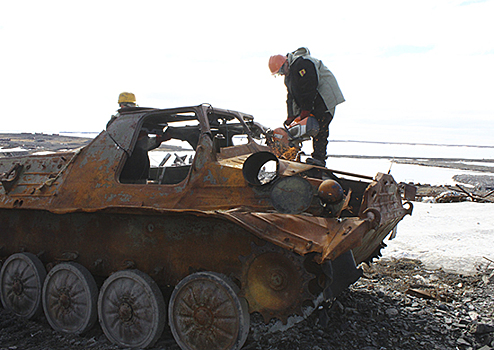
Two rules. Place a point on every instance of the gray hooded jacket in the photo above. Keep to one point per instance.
(327, 85)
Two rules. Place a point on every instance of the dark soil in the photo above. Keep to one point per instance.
(397, 304)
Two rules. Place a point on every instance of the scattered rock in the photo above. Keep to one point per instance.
(483, 328)
(392, 312)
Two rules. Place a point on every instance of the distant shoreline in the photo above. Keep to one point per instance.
(79, 132)
(335, 141)
(413, 143)
(50, 142)
(399, 158)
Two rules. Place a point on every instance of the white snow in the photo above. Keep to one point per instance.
(456, 237)
(12, 150)
(408, 150)
(401, 172)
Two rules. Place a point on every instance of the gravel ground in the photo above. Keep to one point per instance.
(397, 304)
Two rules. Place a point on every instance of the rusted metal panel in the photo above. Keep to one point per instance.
(382, 195)
(167, 246)
(304, 234)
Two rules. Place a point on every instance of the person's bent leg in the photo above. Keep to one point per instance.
(320, 141)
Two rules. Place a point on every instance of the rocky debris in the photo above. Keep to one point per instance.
(450, 194)
(450, 163)
(451, 197)
(19, 334)
(479, 182)
(397, 304)
(477, 196)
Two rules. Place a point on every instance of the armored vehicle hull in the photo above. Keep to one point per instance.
(100, 234)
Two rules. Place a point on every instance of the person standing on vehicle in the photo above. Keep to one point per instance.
(312, 89)
(125, 100)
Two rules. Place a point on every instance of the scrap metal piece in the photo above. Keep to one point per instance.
(10, 177)
(420, 293)
(383, 195)
(330, 191)
(254, 168)
(291, 195)
(409, 191)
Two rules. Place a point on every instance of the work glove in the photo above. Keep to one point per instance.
(289, 120)
(304, 114)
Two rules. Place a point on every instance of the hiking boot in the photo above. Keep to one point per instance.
(313, 161)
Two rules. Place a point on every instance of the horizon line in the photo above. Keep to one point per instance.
(413, 143)
(329, 140)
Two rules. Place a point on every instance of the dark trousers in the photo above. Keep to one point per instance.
(320, 141)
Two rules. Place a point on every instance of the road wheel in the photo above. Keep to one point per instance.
(70, 295)
(206, 313)
(21, 281)
(131, 309)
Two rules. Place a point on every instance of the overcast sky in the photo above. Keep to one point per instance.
(415, 71)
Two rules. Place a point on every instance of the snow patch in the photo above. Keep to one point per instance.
(456, 237)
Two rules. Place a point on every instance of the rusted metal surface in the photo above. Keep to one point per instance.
(383, 196)
(167, 245)
(206, 313)
(305, 234)
(276, 282)
(201, 216)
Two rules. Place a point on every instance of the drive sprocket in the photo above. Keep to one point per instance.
(275, 282)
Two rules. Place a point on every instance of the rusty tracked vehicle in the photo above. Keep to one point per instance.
(97, 234)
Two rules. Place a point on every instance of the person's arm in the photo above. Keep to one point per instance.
(289, 105)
